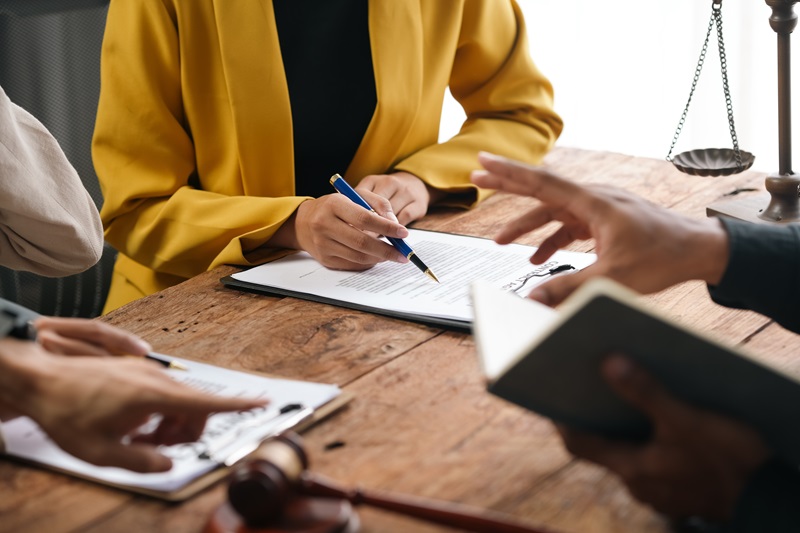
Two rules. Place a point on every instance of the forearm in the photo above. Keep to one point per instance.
(507, 100)
(763, 273)
(205, 229)
(446, 167)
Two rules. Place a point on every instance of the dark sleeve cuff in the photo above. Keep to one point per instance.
(763, 271)
(770, 501)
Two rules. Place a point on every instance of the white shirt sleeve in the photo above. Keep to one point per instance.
(48, 222)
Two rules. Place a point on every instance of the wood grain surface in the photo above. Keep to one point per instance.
(421, 422)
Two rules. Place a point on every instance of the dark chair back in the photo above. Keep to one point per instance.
(50, 66)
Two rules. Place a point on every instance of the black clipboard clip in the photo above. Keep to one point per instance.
(519, 283)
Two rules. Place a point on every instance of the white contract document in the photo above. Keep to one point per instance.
(402, 290)
(225, 433)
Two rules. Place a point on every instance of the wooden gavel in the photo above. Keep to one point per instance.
(262, 486)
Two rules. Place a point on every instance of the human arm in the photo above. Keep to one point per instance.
(93, 407)
(695, 463)
(507, 101)
(181, 193)
(49, 224)
(763, 273)
(639, 244)
(650, 248)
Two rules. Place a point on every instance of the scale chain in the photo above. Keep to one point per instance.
(717, 12)
(716, 18)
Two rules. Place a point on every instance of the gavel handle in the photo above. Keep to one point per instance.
(448, 514)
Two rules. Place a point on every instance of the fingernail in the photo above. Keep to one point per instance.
(143, 345)
(402, 232)
(400, 258)
(390, 215)
(477, 174)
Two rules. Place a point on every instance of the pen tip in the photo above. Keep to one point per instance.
(432, 275)
(178, 366)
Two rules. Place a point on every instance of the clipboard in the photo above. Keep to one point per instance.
(457, 260)
(203, 481)
(256, 288)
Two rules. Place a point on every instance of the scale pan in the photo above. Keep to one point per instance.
(712, 162)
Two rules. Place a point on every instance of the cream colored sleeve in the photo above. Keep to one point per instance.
(48, 222)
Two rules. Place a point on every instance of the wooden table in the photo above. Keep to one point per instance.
(420, 422)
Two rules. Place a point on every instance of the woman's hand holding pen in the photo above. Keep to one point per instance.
(344, 236)
(94, 408)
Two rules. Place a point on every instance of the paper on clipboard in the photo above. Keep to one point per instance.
(224, 434)
(403, 291)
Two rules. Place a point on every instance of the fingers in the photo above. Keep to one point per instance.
(533, 219)
(341, 234)
(353, 249)
(75, 336)
(407, 195)
(557, 289)
(638, 388)
(564, 236)
(175, 429)
(518, 178)
(365, 220)
(615, 455)
(135, 456)
(56, 343)
(379, 195)
(380, 202)
(106, 448)
(176, 399)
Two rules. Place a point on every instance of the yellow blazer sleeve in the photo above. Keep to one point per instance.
(156, 211)
(507, 100)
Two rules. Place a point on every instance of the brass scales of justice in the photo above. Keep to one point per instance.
(782, 204)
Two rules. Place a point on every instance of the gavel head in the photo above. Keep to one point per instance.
(261, 486)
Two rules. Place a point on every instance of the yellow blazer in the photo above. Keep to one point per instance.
(193, 141)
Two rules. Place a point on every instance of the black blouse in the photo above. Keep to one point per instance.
(328, 63)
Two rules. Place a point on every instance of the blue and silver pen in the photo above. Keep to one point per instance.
(400, 245)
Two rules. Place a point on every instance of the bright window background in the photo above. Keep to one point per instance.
(622, 70)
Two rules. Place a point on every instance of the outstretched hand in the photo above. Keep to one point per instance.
(639, 244)
(94, 408)
(695, 464)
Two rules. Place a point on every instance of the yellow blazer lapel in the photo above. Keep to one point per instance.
(253, 68)
(395, 28)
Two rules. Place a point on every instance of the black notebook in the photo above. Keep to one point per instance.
(548, 361)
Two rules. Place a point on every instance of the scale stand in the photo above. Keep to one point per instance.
(783, 202)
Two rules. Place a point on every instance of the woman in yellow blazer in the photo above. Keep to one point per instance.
(195, 146)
